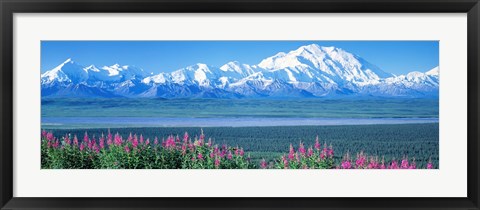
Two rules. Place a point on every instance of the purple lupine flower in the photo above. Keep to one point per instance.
(200, 156)
(229, 156)
(217, 162)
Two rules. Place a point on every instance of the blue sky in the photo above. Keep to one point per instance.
(397, 57)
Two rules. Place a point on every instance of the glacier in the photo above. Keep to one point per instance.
(309, 71)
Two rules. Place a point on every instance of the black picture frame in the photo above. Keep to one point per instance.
(10, 7)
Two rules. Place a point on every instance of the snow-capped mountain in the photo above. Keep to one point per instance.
(309, 71)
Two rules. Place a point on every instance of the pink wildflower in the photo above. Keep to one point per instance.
(209, 144)
(86, 139)
(44, 134)
(130, 138)
(135, 142)
(184, 149)
(309, 152)
(330, 151)
(317, 144)
(285, 162)
(102, 142)
(291, 153)
(118, 140)
(263, 164)
(67, 140)
(404, 164)
(185, 137)
(373, 164)
(50, 136)
(109, 138)
(217, 162)
(127, 149)
(200, 156)
(301, 149)
(413, 165)
(75, 140)
(360, 162)
(346, 164)
(393, 165)
(429, 165)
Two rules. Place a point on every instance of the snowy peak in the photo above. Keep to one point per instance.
(324, 63)
(235, 69)
(433, 72)
(71, 72)
(68, 71)
(308, 71)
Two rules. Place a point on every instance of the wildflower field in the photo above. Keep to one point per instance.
(114, 151)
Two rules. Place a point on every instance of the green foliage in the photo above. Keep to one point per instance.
(388, 141)
(130, 154)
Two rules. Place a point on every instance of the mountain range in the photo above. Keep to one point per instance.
(309, 71)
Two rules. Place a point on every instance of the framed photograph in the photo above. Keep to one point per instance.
(239, 105)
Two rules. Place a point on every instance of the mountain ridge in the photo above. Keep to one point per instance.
(309, 71)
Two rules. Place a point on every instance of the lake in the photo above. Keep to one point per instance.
(123, 112)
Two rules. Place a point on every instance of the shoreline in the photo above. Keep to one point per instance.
(118, 122)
